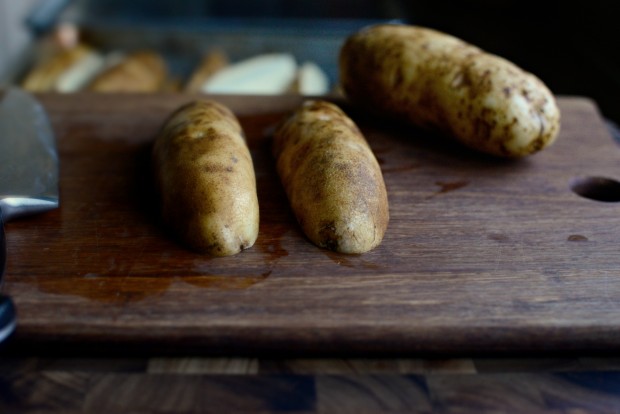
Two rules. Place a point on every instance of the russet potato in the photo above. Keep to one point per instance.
(332, 179)
(439, 82)
(205, 176)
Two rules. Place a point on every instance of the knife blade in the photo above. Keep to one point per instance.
(28, 174)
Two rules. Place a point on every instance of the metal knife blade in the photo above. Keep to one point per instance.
(7, 308)
(28, 157)
(28, 173)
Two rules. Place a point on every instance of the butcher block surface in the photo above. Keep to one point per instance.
(480, 255)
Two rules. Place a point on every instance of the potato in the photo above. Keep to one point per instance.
(332, 179)
(205, 175)
(142, 71)
(436, 81)
(210, 64)
(47, 76)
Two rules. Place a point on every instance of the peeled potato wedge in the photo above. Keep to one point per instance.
(267, 74)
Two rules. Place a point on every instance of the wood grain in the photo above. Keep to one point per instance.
(480, 255)
(103, 384)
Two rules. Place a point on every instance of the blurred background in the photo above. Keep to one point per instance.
(572, 46)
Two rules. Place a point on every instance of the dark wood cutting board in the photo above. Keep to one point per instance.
(480, 254)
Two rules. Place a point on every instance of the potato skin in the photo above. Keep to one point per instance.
(140, 72)
(332, 179)
(204, 172)
(44, 76)
(438, 82)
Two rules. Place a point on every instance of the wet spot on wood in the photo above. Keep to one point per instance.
(577, 238)
(447, 186)
(226, 282)
(499, 237)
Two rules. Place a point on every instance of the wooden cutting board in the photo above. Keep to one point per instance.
(480, 255)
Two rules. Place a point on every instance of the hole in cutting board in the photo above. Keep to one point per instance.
(597, 188)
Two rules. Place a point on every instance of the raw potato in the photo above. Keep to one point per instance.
(45, 76)
(210, 64)
(310, 79)
(332, 179)
(142, 71)
(204, 172)
(439, 82)
(266, 74)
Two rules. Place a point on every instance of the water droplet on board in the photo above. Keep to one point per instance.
(226, 282)
(351, 260)
(577, 238)
(447, 186)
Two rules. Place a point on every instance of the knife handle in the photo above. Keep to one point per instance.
(7, 308)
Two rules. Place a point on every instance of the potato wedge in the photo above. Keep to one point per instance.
(436, 81)
(210, 64)
(142, 71)
(332, 179)
(205, 175)
(266, 74)
(67, 70)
